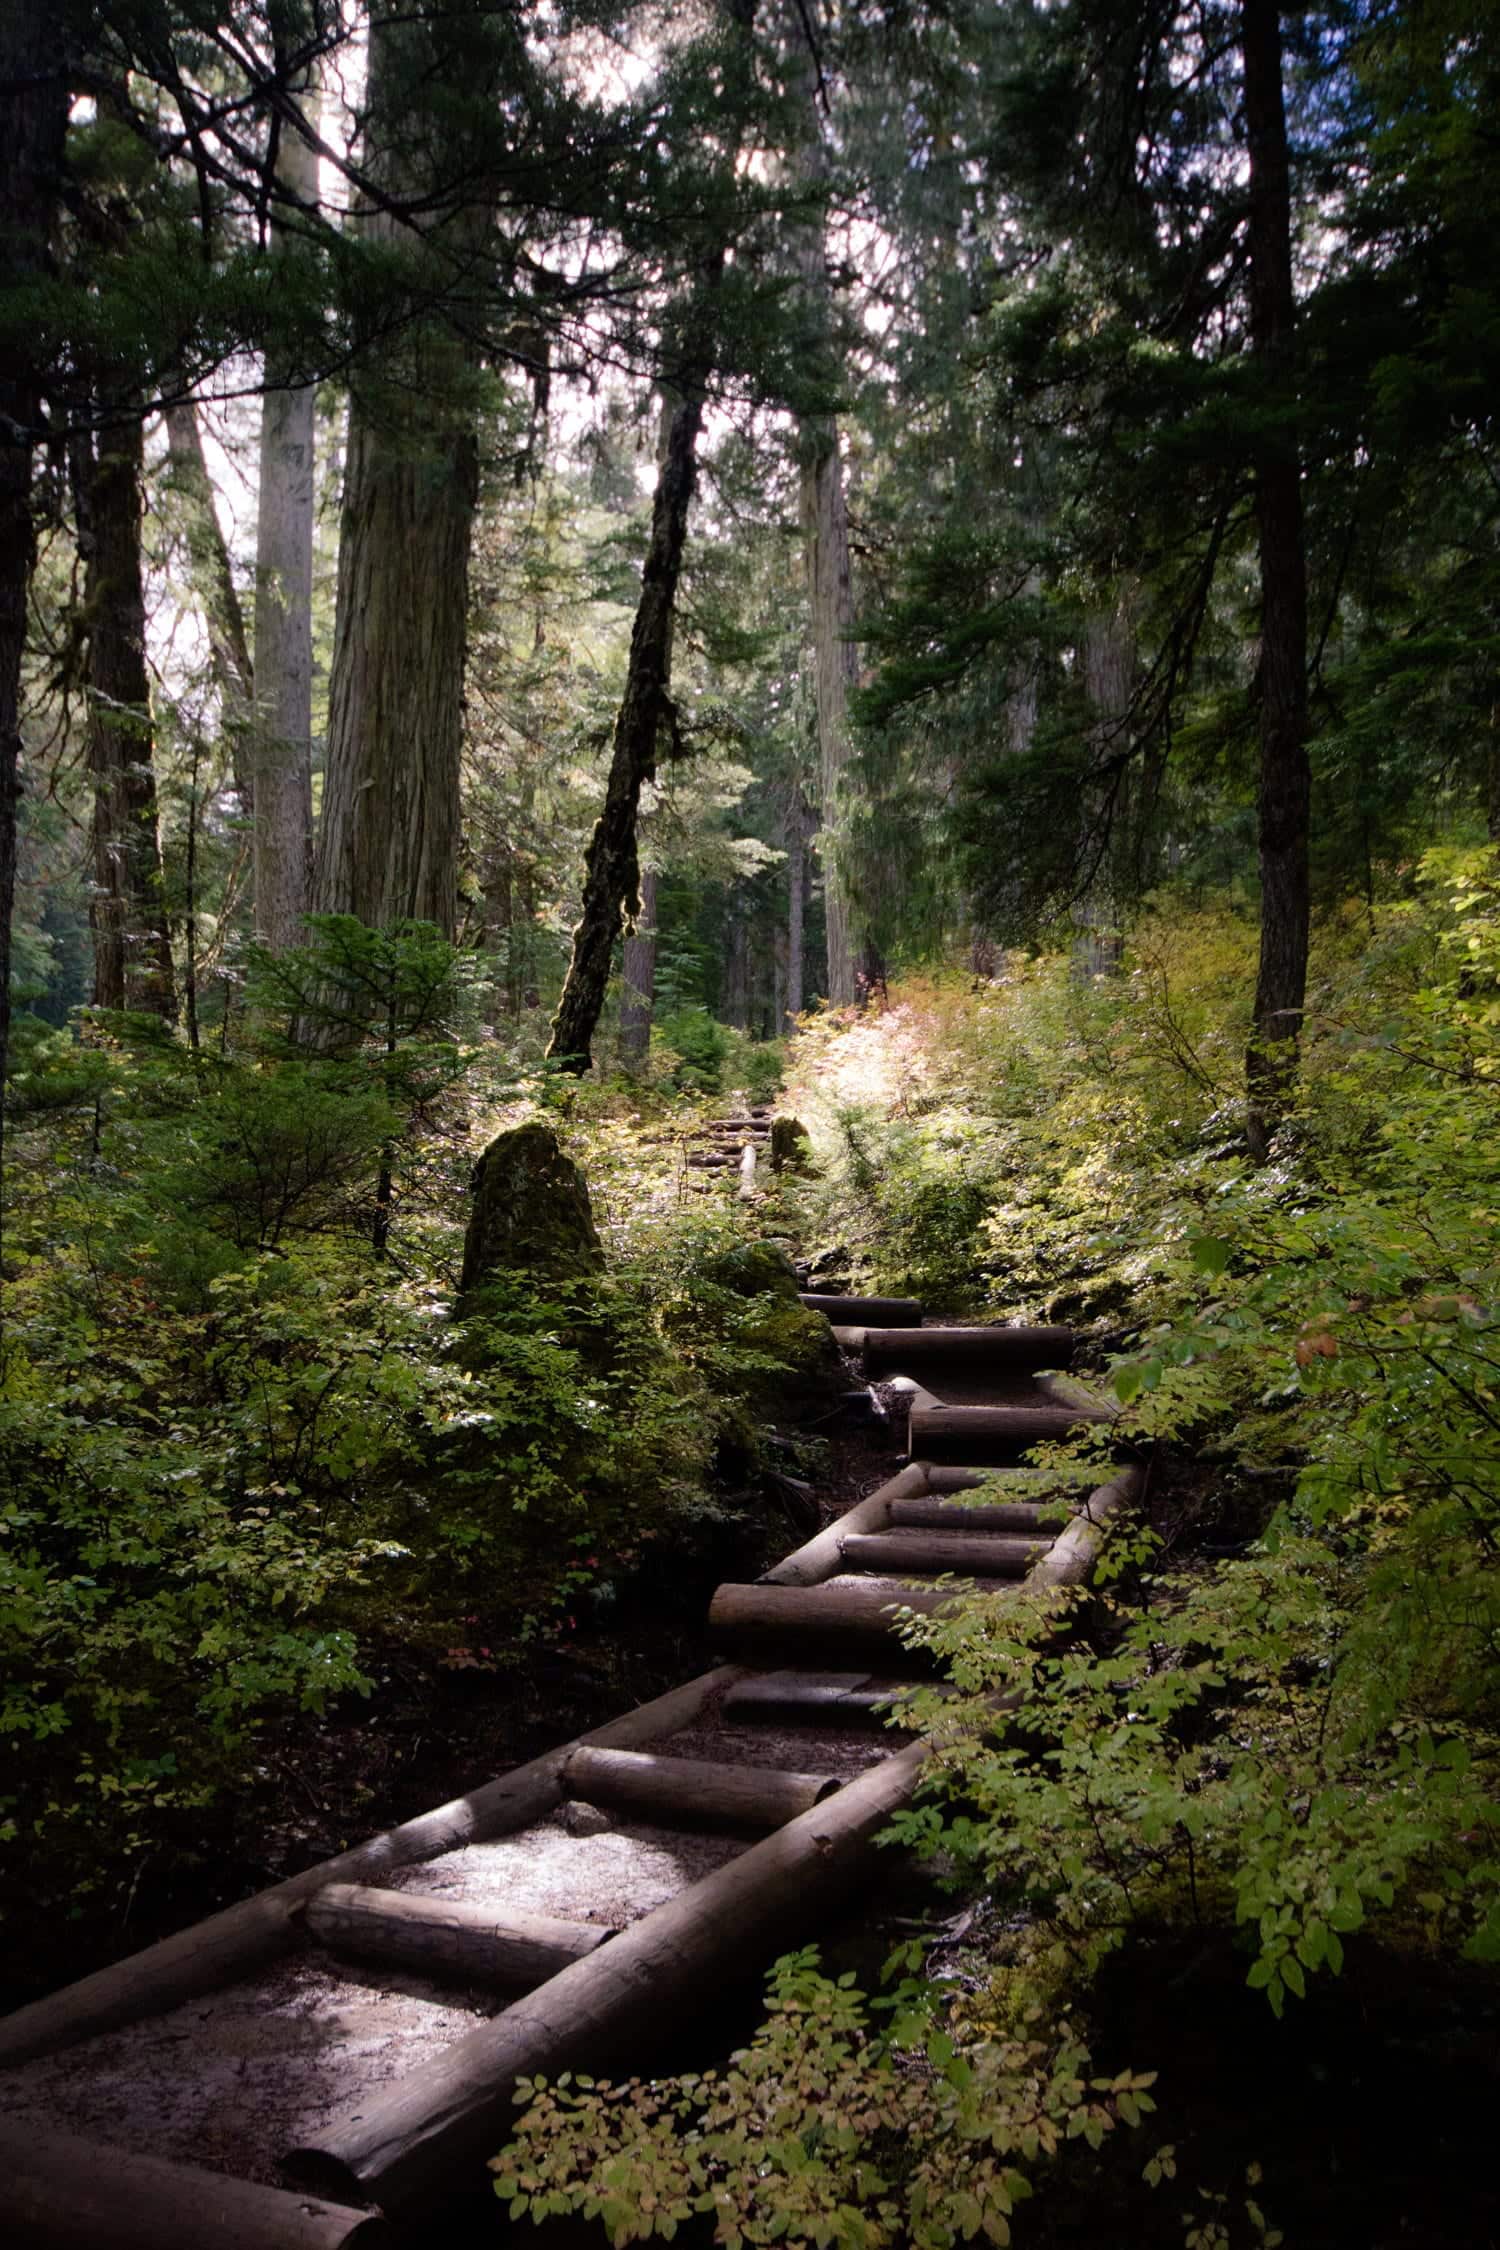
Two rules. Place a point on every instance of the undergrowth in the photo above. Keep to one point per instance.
(1290, 1753)
(245, 1438)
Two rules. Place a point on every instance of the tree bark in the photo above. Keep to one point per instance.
(281, 754)
(1285, 779)
(736, 991)
(794, 998)
(637, 1003)
(212, 576)
(611, 869)
(1109, 681)
(390, 836)
(825, 540)
(33, 74)
(132, 948)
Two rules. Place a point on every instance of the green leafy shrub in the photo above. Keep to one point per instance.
(821, 2131)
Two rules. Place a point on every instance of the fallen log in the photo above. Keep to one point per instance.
(59, 2191)
(257, 1930)
(979, 1554)
(816, 1698)
(402, 2144)
(994, 1435)
(693, 1792)
(865, 1312)
(913, 1351)
(857, 1615)
(448, 1940)
(821, 1556)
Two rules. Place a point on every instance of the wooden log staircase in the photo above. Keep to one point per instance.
(400, 1990)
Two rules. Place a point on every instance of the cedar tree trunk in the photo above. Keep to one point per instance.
(281, 754)
(825, 543)
(132, 948)
(212, 578)
(1285, 785)
(389, 846)
(33, 121)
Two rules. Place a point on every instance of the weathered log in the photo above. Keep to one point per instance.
(924, 1513)
(243, 1937)
(616, 2007)
(693, 1792)
(821, 1556)
(449, 1940)
(866, 1312)
(911, 1394)
(841, 1699)
(940, 1477)
(854, 1615)
(908, 1351)
(59, 2191)
(980, 1554)
(1071, 1557)
(977, 1435)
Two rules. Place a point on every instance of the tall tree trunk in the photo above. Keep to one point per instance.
(825, 541)
(825, 533)
(736, 989)
(637, 1002)
(281, 750)
(1285, 780)
(34, 116)
(1109, 658)
(132, 948)
(211, 575)
(611, 869)
(390, 832)
(793, 1000)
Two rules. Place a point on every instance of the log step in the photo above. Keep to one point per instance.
(857, 1615)
(864, 1312)
(59, 2191)
(942, 1476)
(927, 1514)
(840, 1699)
(693, 1792)
(447, 1940)
(980, 1554)
(915, 1351)
(991, 1435)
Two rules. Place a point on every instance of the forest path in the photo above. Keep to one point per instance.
(341, 2031)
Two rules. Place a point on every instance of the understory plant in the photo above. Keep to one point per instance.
(1289, 1749)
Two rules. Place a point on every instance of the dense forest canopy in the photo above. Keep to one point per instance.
(572, 559)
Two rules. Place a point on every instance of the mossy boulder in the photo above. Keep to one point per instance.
(791, 1148)
(776, 1326)
(531, 1213)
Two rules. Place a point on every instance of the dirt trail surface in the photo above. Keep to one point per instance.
(708, 1831)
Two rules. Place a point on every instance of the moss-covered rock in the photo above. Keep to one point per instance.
(791, 1148)
(531, 1213)
(775, 1326)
